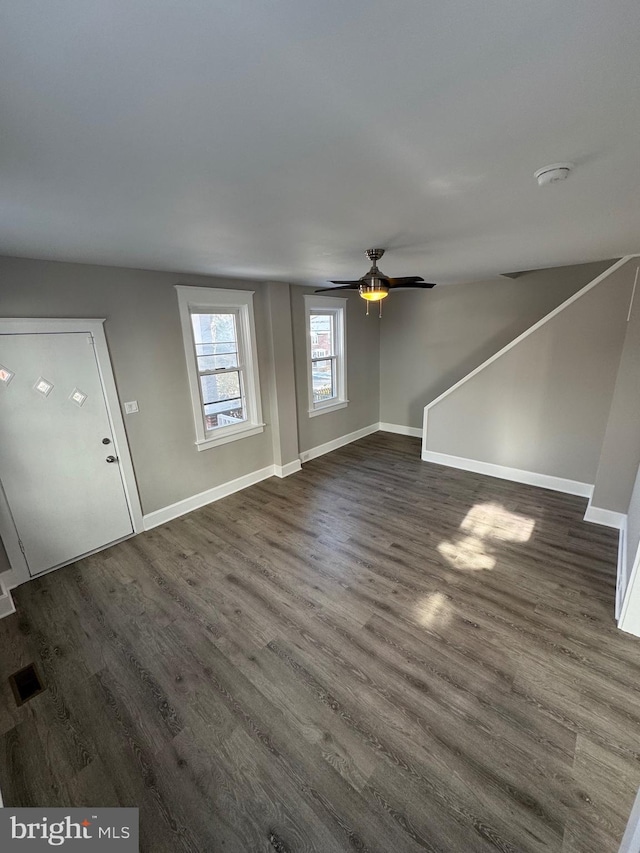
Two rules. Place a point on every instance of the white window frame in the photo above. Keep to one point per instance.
(337, 307)
(211, 300)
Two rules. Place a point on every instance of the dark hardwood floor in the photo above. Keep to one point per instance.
(373, 654)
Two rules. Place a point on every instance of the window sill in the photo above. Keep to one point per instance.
(216, 441)
(333, 407)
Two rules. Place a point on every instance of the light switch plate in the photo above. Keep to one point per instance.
(131, 408)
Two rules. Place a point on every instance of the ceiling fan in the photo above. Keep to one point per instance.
(374, 286)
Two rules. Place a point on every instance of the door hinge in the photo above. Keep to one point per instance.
(90, 340)
(22, 548)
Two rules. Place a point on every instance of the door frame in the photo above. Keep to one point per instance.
(19, 572)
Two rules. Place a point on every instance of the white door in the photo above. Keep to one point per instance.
(58, 466)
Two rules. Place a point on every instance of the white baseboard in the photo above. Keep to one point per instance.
(289, 468)
(621, 572)
(530, 478)
(597, 515)
(321, 449)
(161, 516)
(175, 510)
(631, 839)
(629, 619)
(414, 432)
(7, 607)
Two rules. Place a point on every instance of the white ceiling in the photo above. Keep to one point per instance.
(280, 139)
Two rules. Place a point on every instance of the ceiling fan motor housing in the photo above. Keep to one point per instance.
(374, 285)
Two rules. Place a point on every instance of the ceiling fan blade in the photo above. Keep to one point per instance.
(400, 282)
(346, 281)
(406, 280)
(354, 286)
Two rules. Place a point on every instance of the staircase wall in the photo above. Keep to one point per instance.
(431, 339)
(620, 453)
(541, 405)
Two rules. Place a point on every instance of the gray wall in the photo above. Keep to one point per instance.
(620, 455)
(363, 374)
(543, 405)
(145, 341)
(431, 339)
(283, 404)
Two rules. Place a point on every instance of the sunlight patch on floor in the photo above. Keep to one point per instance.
(468, 554)
(484, 525)
(434, 610)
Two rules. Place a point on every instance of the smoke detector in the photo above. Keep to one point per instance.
(553, 173)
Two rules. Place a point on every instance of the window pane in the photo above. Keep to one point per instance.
(216, 340)
(221, 386)
(322, 334)
(216, 362)
(323, 380)
(224, 414)
(223, 399)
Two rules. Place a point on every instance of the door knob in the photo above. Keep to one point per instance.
(106, 441)
(111, 459)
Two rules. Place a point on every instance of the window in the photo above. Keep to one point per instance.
(220, 346)
(326, 354)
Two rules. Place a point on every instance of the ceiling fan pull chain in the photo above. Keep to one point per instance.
(367, 309)
(380, 308)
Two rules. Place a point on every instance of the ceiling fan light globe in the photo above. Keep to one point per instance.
(374, 293)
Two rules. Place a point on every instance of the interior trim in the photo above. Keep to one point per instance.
(335, 443)
(289, 468)
(175, 510)
(503, 472)
(606, 517)
(399, 429)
